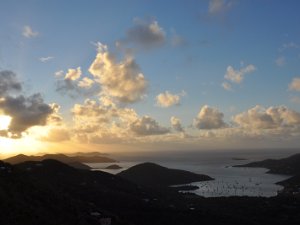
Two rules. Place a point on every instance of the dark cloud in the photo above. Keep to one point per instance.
(25, 112)
(9, 83)
(145, 34)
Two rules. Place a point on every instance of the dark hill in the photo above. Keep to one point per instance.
(151, 174)
(74, 161)
(113, 167)
(50, 193)
(288, 166)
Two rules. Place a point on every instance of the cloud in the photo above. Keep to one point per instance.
(176, 124)
(29, 33)
(147, 126)
(123, 80)
(280, 61)
(25, 112)
(59, 73)
(73, 74)
(227, 86)
(237, 76)
(145, 34)
(46, 59)
(177, 40)
(85, 82)
(57, 135)
(295, 84)
(270, 118)
(295, 99)
(209, 118)
(9, 83)
(219, 6)
(168, 99)
(290, 45)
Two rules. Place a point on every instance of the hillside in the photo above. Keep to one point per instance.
(75, 161)
(51, 193)
(151, 174)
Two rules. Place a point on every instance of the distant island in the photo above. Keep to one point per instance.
(286, 166)
(74, 161)
(237, 158)
(113, 167)
(151, 174)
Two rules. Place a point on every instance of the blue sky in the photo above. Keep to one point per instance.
(183, 49)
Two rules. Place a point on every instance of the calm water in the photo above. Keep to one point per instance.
(229, 181)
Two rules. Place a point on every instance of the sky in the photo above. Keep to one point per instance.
(141, 75)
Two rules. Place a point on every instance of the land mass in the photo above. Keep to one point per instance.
(113, 167)
(74, 161)
(151, 174)
(49, 192)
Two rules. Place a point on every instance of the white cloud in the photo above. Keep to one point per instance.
(85, 82)
(168, 99)
(270, 118)
(209, 118)
(59, 73)
(46, 59)
(295, 99)
(237, 76)
(280, 61)
(73, 74)
(227, 86)
(176, 124)
(295, 84)
(290, 45)
(124, 81)
(147, 126)
(29, 33)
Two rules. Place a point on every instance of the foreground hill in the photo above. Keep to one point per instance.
(50, 193)
(286, 166)
(75, 161)
(151, 174)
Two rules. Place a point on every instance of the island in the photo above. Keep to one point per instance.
(151, 174)
(113, 167)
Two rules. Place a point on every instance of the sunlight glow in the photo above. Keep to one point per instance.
(4, 122)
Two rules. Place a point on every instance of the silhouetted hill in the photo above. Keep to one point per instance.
(113, 167)
(288, 166)
(52, 193)
(151, 174)
(75, 161)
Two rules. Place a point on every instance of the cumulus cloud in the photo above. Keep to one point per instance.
(147, 126)
(176, 124)
(145, 34)
(219, 6)
(71, 85)
(29, 33)
(295, 84)
(270, 118)
(290, 45)
(168, 99)
(85, 82)
(9, 83)
(123, 80)
(73, 74)
(25, 112)
(209, 118)
(237, 76)
(46, 59)
(227, 86)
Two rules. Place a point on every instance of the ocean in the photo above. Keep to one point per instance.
(228, 180)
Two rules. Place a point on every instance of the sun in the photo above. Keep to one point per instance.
(4, 122)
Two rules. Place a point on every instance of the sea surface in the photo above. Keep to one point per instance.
(228, 180)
